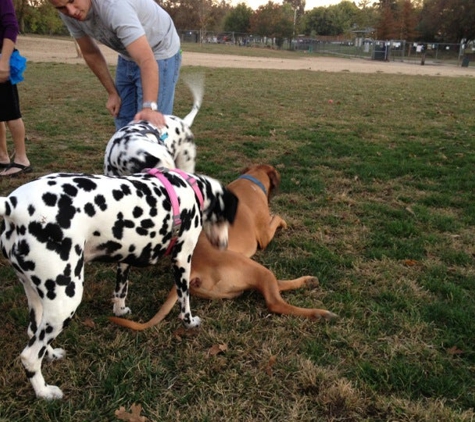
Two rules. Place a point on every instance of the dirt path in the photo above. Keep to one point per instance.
(60, 50)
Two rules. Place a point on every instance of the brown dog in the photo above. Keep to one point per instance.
(226, 274)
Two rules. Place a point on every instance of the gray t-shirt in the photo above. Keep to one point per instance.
(117, 23)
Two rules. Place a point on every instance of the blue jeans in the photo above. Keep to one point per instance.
(129, 87)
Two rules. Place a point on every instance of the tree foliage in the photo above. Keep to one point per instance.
(205, 15)
(397, 20)
(448, 20)
(331, 20)
(274, 21)
(426, 20)
(238, 19)
(38, 17)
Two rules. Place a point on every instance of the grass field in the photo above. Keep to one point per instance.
(378, 192)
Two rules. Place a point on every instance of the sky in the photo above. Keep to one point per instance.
(310, 4)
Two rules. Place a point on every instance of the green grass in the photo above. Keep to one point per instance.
(378, 192)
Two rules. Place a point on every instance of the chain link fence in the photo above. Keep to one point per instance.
(393, 50)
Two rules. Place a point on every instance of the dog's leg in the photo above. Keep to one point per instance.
(55, 316)
(275, 223)
(36, 311)
(181, 271)
(307, 280)
(121, 289)
(270, 288)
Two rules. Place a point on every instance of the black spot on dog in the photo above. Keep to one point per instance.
(50, 199)
(85, 183)
(14, 201)
(100, 201)
(33, 326)
(52, 236)
(31, 210)
(89, 209)
(109, 247)
(117, 194)
(20, 254)
(137, 212)
(41, 353)
(66, 212)
(70, 189)
(119, 226)
(50, 287)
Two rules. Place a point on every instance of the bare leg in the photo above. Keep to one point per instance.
(4, 158)
(17, 129)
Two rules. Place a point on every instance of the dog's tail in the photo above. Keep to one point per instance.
(196, 83)
(158, 317)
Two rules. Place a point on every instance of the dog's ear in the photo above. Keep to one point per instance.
(274, 178)
(245, 170)
(231, 202)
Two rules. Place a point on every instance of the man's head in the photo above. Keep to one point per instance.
(76, 9)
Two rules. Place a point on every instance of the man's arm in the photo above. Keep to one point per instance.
(97, 63)
(142, 54)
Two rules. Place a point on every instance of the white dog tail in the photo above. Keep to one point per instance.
(196, 83)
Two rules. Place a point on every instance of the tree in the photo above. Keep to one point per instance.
(368, 14)
(39, 17)
(298, 7)
(407, 21)
(274, 21)
(238, 19)
(448, 20)
(197, 14)
(386, 29)
(331, 20)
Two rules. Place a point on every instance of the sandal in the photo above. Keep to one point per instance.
(23, 169)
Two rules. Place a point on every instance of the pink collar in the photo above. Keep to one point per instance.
(159, 174)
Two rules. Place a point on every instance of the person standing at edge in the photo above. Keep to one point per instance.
(144, 36)
(9, 98)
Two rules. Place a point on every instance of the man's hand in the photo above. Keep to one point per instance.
(113, 104)
(155, 117)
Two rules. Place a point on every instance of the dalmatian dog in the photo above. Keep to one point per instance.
(55, 224)
(140, 144)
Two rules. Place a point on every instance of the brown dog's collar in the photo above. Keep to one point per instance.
(255, 181)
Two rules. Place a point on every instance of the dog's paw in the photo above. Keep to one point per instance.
(311, 282)
(121, 311)
(329, 316)
(55, 354)
(119, 307)
(194, 322)
(50, 392)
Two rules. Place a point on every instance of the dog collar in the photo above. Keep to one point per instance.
(159, 174)
(255, 181)
(155, 132)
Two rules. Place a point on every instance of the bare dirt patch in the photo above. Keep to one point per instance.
(60, 50)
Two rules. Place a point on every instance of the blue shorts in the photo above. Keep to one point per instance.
(129, 87)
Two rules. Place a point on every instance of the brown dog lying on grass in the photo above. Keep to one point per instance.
(226, 274)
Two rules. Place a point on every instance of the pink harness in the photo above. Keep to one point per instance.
(159, 174)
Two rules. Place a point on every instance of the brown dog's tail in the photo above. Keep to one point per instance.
(157, 318)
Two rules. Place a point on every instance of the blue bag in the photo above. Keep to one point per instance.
(17, 67)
